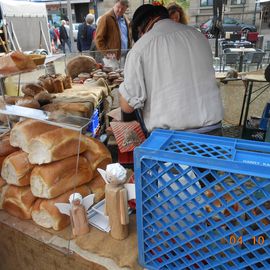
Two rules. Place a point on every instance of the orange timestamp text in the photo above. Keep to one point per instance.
(255, 240)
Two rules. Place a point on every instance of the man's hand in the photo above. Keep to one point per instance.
(125, 107)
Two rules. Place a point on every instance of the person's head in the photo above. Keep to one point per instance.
(63, 22)
(89, 19)
(120, 7)
(177, 13)
(144, 16)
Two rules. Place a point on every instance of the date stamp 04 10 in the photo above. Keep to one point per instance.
(239, 240)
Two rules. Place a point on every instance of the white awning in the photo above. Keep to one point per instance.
(22, 9)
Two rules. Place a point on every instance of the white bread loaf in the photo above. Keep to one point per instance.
(56, 145)
(46, 214)
(97, 186)
(97, 154)
(18, 201)
(22, 133)
(51, 180)
(16, 169)
(5, 147)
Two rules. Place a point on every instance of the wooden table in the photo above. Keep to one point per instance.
(249, 81)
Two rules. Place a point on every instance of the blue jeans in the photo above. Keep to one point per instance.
(63, 43)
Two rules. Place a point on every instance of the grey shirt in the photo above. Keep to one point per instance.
(169, 74)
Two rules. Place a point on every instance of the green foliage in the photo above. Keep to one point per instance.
(183, 3)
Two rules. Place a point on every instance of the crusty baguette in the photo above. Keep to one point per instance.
(23, 132)
(16, 169)
(97, 186)
(5, 147)
(18, 201)
(46, 214)
(56, 145)
(97, 154)
(51, 180)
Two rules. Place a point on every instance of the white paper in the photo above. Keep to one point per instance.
(131, 191)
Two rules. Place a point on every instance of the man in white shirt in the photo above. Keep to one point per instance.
(169, 75)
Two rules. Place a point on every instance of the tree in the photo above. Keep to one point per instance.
(183, 3)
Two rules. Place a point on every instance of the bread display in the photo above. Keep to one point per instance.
(23, 132)
(31, 89)
(51, 180)
(97, 187)
(16, 169)
(55, 145)
(46, 214)
(18, 201)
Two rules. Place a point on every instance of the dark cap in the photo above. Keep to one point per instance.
(144, 13)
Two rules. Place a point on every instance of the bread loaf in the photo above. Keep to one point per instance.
(27, 102)
(97, 187)
(51, 180)
(16, 169)
(3, 188)
(5, 147)
(75, 109)
(67, 82)
(58, 85)
(11, 100)
(56, 145)
(43, 97)
(97, 154)
(46, 214)
(18, 201)
(31, 89)
(47, 83)
(23, 132)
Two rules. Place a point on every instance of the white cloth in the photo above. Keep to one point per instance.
(169, 73)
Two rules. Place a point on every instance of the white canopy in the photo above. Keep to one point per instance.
(22, 9)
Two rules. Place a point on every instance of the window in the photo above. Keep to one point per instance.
(238, 2)
(206, 3)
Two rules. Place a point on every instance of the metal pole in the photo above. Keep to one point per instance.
(254, 15)
(69, 15)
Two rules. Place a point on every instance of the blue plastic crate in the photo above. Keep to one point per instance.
(203, 202)
(94, 123)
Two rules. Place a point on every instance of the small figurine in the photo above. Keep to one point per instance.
(116, 197)
(77, 212)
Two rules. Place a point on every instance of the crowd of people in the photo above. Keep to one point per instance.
(169, 76)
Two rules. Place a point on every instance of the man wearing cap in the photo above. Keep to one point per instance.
(113, 35)
(169, 75)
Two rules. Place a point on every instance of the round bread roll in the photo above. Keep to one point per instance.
(99, 75)
(118, 80)
(31, 89)
(84, 76)
(113, 75)
(29, 103)
(107, 69)
(79, 65)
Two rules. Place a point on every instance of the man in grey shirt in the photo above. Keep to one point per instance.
(169, 75)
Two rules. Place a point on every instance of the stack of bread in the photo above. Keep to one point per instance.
(44, 168)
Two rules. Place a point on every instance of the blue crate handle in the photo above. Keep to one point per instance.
(253, 156)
